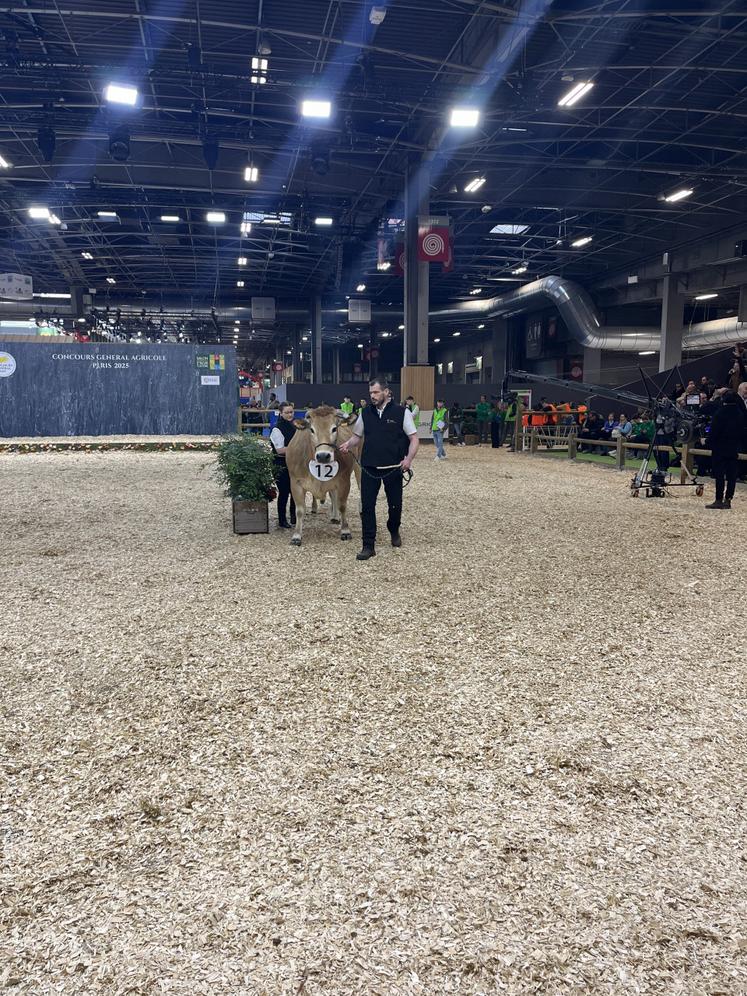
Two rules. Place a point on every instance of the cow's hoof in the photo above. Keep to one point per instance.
(296, 541)
(335, 522)
(344, 536)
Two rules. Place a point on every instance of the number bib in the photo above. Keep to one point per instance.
(323, 471)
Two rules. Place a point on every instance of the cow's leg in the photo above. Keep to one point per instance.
(335, 517)
(299, 497)
(314, 505)
(342, 504)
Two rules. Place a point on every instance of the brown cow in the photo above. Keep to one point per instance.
(322, 431)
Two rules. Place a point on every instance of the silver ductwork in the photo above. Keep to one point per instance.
(582, 320)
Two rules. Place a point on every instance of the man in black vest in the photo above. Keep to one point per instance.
(280, 436)
(390, 442)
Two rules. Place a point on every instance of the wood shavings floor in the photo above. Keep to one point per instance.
(507, 758)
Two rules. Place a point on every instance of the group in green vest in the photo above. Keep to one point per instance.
(347, 406)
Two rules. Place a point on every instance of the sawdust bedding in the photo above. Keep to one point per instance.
(507, 758)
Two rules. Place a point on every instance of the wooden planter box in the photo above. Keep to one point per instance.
(471, 440)
(250, 517)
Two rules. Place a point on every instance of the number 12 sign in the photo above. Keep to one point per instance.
(323, 471)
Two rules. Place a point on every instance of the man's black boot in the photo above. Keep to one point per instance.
(716, 504)
(396, 539)
(284, 524)
(366, 553)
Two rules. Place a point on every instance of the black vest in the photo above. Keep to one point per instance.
(288, 431)
(385, 442)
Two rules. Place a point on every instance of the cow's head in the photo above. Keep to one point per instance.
(323, 423)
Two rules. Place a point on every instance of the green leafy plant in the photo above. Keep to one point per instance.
(246, 469)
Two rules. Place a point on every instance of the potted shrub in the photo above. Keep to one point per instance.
(469, 430)
(247, 472)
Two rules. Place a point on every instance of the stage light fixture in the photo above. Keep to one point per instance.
(575, 94)
(119, 145)
(4, 164)
(118, 93)
(215, 217)
(464, 117)
(581, 242)
(316, 108)
(474, 185)
(251, 174)
(39, 213)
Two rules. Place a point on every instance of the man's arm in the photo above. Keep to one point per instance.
(351, 443)
(413, 449)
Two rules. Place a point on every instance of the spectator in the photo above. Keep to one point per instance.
(482, 414)
(438, 425)
(361, 405)
(625, 426)
(738, 371)
(273, 404)
(610, 423)
(456, 417)
(707, 386)
(742, 393)
(509, 421)
(725, 439)
(347, 406)
(677, 392)
(591, 430)
(412, 405)
(495, 426)
(643, 429)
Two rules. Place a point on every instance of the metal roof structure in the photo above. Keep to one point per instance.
(667, 112)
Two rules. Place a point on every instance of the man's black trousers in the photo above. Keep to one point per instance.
(725, 470)
(371, 481)
(284, 487)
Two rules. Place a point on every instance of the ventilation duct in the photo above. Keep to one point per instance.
(582, 320)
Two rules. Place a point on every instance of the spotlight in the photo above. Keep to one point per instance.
(46, 139)
(119, 145)
(116, 93)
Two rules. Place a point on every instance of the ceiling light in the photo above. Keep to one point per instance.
(437, 340)
(324, 222)
(401, 328)
(581, 242)
(242, 261)
(519, 269)
(304, 338)
(464, 117)
(647, 352)
(259, 64)
(316, 108)
(455, 334)
(239, 283)
(383, 266)
(377, 14)
(474, 184)
(116, 93)
(39, 213)
(54, 296)
(111, 280)
(4, 164)
(259, 80)
(475, 291)
(385, 335)
(360, 288)
(509, 229)
(237, 321)
(107, 214)
(170, 217)
(87, 255)
(705, 297)
(678, 195)
(251, 174)
(215, 217)
(55, 219)
(575, 94)
(481, 326)
(245, 227)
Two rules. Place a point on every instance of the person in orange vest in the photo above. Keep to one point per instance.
(581, 414)
(552, 416)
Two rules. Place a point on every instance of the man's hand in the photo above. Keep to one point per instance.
(350, 443)
(406, 463)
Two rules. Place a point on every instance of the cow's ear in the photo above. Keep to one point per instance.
(301, 423)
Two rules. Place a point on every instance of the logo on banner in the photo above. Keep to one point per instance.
(217, 362)
(7, 365)
(400, 259)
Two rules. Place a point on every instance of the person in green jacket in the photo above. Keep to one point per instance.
(483, 414)
(414, 408)
(347, 406)
(438, 425)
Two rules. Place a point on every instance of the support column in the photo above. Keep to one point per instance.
(417, 202)
(336, 365)
(592, 365)
(672, 320)
(500, 349)
(316, 340)
(742, 308)
(296, 357)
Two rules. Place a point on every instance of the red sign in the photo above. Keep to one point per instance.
(277, 367)
(434, 244)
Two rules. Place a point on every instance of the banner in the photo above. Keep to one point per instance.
(434, 240)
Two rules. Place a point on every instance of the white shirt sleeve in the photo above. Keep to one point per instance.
(276, 438)
(358, 427)
(409, 423)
